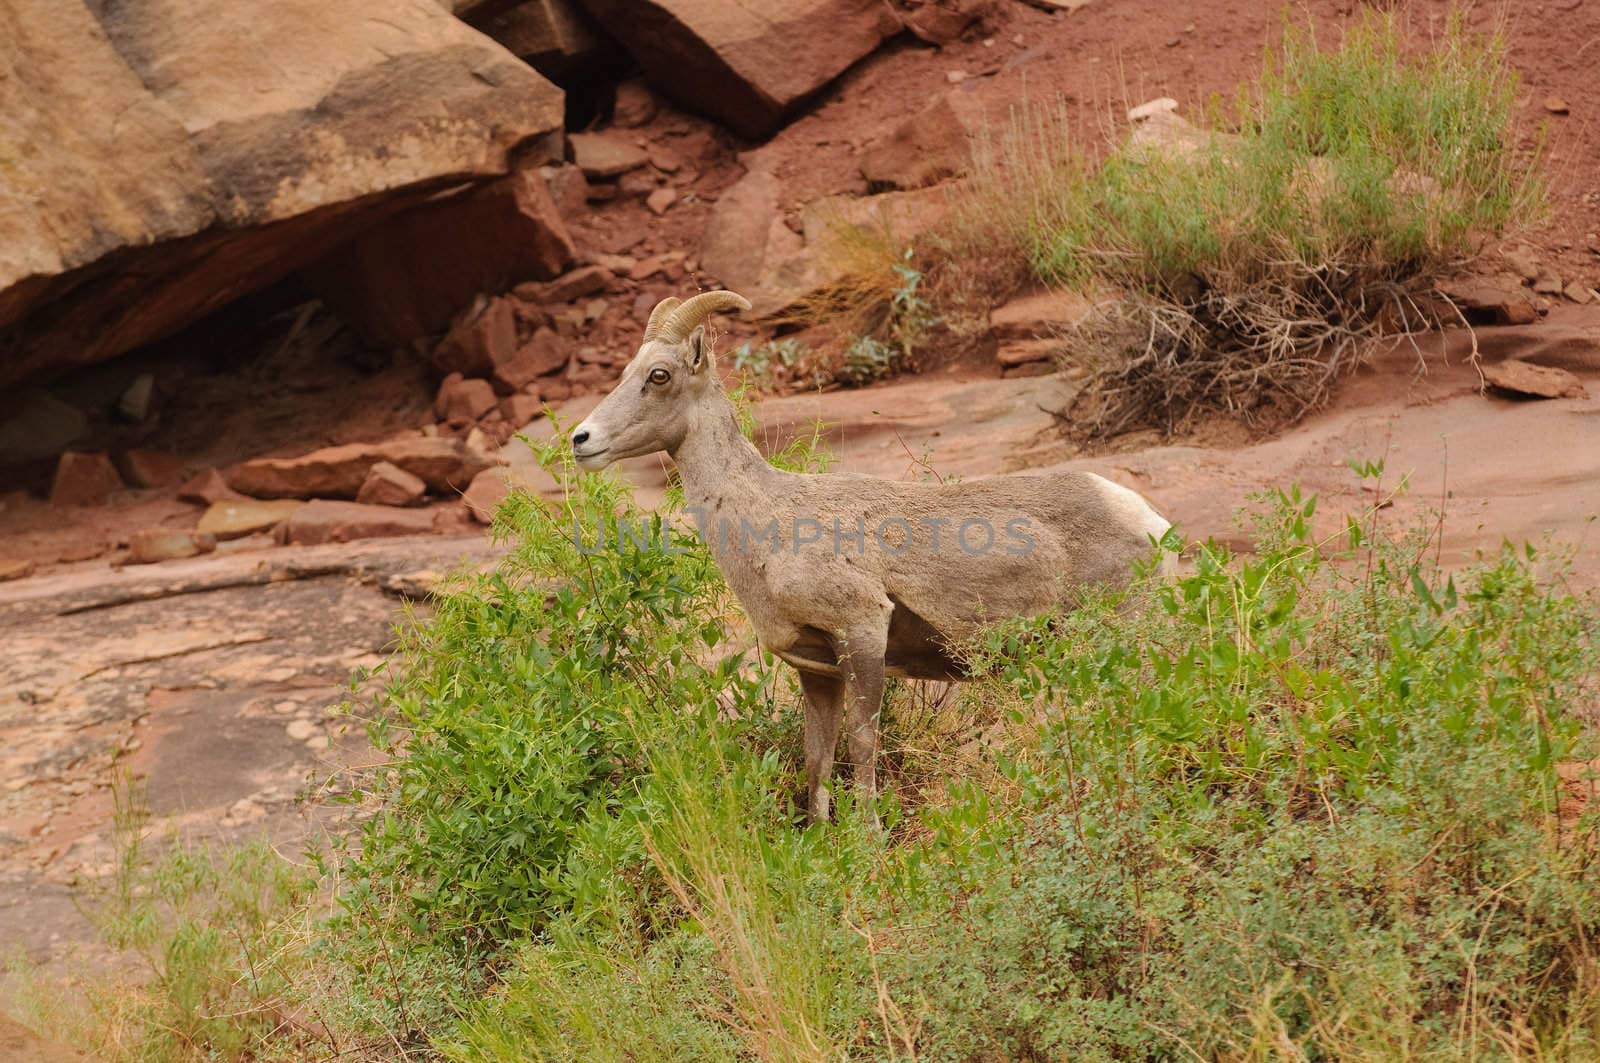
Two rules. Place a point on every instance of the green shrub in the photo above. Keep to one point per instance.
(1258, 254)
(1300, 805)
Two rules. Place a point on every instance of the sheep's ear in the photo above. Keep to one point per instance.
(699, 356)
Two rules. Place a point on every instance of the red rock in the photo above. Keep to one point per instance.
(482, 337)
(931, 145)
(409, 277)
(567, 187)
(84, 479)
(150, 545)
(323, 521)
(1038, 314)
(84, 551)
(585, 280)
(942, 21)
(544, 353)
(1534, 381)
(390, 485)
(661, 200)
(151, 468)
(1015, 353)
(1485, 300)
(15, 568)
(338, 472)
(234, 519)
(605, 155)
(521, 409)
(207, 487)
(745, 64)
(460, 401)
(488, 489)
(634, 106)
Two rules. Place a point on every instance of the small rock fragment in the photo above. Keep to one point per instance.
(151, 468)
(1534, 381)
(660, 200)
(390, 485)
(134, 405)
(1555, 105)
(246, 516)
(605, 155)
(207, 487)
(489, 488)
(301, 729)
(1548, 284)
(635, 106)
(1159, 105)
(84, 479)
(462, 401)
(150, 545)
(1577, 292)
(520, 409)
(322, 521)
(585, 280)
(15, 568)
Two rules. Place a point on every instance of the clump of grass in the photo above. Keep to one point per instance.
(1257, 255)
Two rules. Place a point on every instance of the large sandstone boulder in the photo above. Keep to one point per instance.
(745, 64)
(159, 158)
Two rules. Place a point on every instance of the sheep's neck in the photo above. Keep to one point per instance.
(720, 468)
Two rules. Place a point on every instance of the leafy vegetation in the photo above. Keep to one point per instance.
(1304, 803)
(1258, 253)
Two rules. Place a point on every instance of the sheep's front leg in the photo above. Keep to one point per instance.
(861, 664)
(824, 700)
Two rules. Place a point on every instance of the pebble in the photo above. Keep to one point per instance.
(302, 729)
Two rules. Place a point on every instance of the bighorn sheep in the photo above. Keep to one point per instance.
(852, 578)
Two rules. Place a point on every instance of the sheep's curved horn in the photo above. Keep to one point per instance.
(658, 317)
(684, 318)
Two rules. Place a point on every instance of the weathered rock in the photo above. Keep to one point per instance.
(745, 230)
(482, 337)
(84, 479)
(390, 485)
(1489, 302)
(747, 65)
(323, 521)
(1548, 284)
(1556, 105)
(1535, 381)
(519, 410)
(635, 105)
(488, 489)
(150, 545)
(151, 468)
(568, 188)
(1013, 353)
(836, 227)
(1578, 292)
(1032, 368)
(931, 145)
(461, 401)
(942, 21)
(38, 425)
(134, 404)
(661, 200)
(15, 568)
(555, 36)
(168, 157)
(545, 352)
(1038, 314)
(338, 472)
(1159, 105)
(409, 277)
(604, 156)
(207, 487)
(247, 516)
(569, 287)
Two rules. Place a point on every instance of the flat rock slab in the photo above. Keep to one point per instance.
(323, 521)
(606, 155)
(247, 516)
(1533, 381)
(338, 472)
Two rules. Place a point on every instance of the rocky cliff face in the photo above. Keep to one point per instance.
(159, 158)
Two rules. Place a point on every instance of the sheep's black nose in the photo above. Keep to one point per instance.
(580, 437)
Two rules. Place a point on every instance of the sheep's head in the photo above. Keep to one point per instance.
(661, 390)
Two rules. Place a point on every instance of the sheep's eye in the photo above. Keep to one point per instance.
(659, 375)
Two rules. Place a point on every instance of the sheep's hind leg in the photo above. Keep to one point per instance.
(824, 700)
(861, 662)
